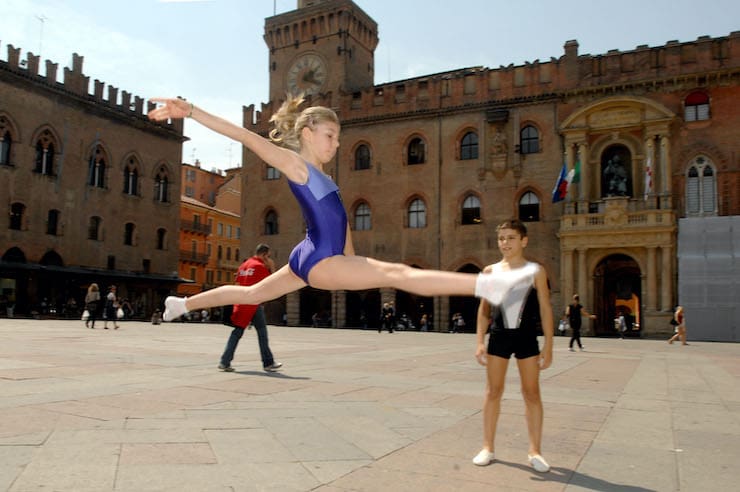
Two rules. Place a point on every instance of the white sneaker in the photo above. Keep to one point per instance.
(485, 457)
(538, 463)
(174, 307)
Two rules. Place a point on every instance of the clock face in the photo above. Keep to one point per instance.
(307, 75)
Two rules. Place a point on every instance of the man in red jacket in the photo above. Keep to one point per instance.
(250, 272)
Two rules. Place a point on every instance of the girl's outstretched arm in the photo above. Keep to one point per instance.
(286, 161)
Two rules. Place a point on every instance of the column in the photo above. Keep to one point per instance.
(650, 157)
(584, 187)
(293, 308)
(339, 308)
(582, 276)
(583, 290)
(665, 172)
(666, 290)
(441, 313)
(569, 165)
(566, 289)
(651, 302)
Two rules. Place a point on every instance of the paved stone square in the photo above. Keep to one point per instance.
(144, 408)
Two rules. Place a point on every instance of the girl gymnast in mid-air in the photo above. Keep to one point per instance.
(301, 143)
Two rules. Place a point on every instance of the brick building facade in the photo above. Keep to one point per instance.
(428, 166)
(89, 190)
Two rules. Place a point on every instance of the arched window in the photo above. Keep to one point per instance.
(416, 152)
(271, 223)
(6, 142)
(161, 186)
(45, 154)
(471, 210)
(161, 237)
(529, 140)
(52, 222)
(96, 168)
(469, 146)
(93, 228)
(701, 186)
(363, 217)
(128, 234)
(16, 216)
(417, 214)
(529, 207)
(131, 178)
(696, 107)
(362, 157)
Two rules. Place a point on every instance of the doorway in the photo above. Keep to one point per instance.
(617, 292)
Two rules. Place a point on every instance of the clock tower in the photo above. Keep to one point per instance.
(324, 46)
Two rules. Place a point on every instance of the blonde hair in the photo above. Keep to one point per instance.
(93, 287)
(289, 121)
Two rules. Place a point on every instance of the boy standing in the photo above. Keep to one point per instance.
(514, 323)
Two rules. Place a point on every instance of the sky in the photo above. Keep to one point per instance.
(212, 51)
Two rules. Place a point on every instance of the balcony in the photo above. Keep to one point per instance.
(618, 213)
(197, 227)
(201, 258)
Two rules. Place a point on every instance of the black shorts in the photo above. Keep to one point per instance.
(521, 342)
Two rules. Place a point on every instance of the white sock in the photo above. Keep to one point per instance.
(174, 307)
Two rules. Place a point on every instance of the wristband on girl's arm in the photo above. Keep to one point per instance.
(190, 115)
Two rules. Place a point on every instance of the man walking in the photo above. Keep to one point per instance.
(250, 272)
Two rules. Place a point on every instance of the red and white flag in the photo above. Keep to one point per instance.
(648, 174)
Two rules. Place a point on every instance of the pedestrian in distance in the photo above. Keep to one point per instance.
(111, 308)
(679, 323)
(250, 272)
(513, 323)
(92, 304)
(302, 142)
(574, 311)
(387, 317)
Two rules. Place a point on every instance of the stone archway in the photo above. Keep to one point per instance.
(315, 302)
(467, 306)
(617, 290)
(363, 308)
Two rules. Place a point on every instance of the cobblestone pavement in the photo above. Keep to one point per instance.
(144, 408)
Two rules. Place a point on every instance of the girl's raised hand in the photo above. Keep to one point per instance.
(170, 108)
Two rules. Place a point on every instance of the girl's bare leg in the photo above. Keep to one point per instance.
(359, 273)
(278, 284)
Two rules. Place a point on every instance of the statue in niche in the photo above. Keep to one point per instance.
(615, 177)
(498, 143)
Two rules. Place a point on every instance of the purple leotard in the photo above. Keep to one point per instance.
(326, 222)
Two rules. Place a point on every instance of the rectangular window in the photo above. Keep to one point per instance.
(193, 272)
(272, 173)
(230, 231)
(220, 229)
